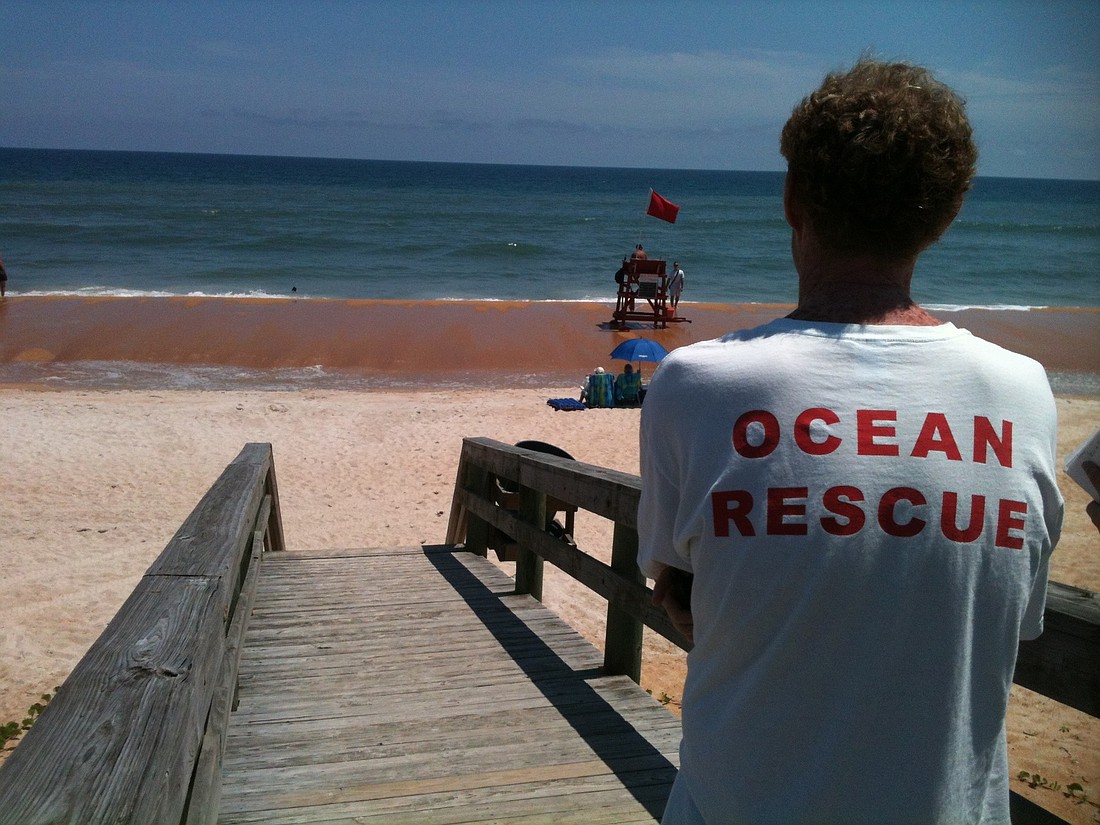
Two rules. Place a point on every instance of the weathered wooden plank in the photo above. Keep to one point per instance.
(454, 800)
(364, 782)
(119, 741)
(1064, 663)
(385, 763)
(608, 493)
(213, 537)
(206, 785)
(321, 724)
(448, 699)
(206, 793)
(457, 804)
(424, 705)
(465, 674)
(122, 740)
(272, 524)
(532, 510)
(623, 637)
(358, 736)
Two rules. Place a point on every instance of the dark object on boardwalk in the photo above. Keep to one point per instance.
(508, 497)
(538, 447)
(643, 295)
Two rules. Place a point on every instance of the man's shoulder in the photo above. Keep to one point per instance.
(993, 356)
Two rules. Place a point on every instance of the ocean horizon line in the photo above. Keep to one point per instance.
(348, 159)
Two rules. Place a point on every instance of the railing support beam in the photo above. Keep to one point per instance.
(623, 648)
(532, 510)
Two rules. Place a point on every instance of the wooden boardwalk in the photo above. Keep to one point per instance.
(413, 686)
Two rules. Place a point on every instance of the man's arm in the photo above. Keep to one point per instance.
(1093, 509)
(672, 591)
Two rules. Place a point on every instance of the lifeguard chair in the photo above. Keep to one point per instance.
(643, 295)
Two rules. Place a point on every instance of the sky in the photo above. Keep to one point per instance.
(673, 84)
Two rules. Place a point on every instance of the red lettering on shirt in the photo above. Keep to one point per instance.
(731, 506)
(838, 501)
(787, 508)
(986, 437)
(949, 518)
(770, 425)
(802, 435)
(935, 435)
(886, 512)
(1010, 517)
(784, 503)
(870, 429)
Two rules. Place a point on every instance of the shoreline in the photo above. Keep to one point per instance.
(396, 343)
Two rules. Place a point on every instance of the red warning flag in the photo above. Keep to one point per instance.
(660, 208)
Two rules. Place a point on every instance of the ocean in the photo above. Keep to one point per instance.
(136, 223)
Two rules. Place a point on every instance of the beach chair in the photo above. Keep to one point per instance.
(628, 388)
(600, 390)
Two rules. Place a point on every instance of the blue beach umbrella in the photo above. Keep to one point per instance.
(639, 349)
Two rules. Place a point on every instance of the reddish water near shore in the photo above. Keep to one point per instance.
(416, 342)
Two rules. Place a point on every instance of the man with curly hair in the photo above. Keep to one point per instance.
(854, 515)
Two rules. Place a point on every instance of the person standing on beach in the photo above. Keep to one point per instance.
(3, 279)
(853, 516)
(675, 285)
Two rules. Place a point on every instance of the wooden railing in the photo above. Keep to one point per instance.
(1063, 663)
(607, 493)
(137, 731)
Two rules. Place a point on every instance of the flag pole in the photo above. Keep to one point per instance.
(644, 215)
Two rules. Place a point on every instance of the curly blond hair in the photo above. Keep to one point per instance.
(880, 158)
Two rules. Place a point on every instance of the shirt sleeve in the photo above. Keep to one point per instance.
(660, 498)
(1031, 626)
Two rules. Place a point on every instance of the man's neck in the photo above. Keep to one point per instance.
(859, 291)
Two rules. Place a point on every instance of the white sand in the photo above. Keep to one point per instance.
(94, 484)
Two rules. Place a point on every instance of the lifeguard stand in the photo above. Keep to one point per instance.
(643, 295)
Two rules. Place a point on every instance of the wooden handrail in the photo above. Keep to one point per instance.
(137, 731)
(1063, 663)
(607, 493)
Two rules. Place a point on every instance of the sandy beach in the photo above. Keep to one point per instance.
(93, 482)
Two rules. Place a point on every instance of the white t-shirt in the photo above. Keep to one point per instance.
(676, 283)
(869, 513)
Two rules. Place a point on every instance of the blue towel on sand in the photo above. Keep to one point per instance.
(566, 404)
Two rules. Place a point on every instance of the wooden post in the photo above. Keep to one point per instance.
(532, 509)
(478, 481)
(623, 650)
(274, 527)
